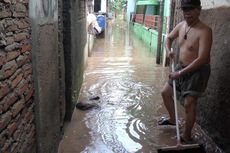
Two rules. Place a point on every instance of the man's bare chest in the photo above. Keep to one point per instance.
(191, 42)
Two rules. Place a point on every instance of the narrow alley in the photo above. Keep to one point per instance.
(86, 76)
(122, 73)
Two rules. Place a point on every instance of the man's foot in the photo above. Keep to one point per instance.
(165, 121)
(186, 141)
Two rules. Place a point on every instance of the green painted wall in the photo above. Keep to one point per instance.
(152, 10)
(148, 36)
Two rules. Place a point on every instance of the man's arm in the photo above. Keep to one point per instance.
(171, 37)
(205, 44)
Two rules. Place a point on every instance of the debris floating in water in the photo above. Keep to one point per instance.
(86, 106)
(94, 98)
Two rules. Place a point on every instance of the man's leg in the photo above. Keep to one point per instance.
(166, 94)
(190, 116)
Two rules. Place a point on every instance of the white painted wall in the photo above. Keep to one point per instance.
(103, 5)
(207, 4)
(130, 8)
(43, 9)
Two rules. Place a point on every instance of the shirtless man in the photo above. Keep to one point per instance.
(193, 70)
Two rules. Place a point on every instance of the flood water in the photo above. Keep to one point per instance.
(122, 72)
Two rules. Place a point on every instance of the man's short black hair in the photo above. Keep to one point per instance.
(190, 3)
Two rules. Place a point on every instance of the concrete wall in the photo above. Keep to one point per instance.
(74, 34)
(213, 108)
(38, 41)
(46, 72)
(17, 125)
(214, 3)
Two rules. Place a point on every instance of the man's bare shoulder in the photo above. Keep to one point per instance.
(180, 24)
(205, 28)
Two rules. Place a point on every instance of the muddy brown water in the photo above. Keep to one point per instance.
(122, 72)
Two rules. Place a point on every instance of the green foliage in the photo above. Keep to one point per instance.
(117, 5)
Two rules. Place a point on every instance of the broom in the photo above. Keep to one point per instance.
(180, 148)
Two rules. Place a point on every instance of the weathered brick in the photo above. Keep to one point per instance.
(27, 69)
(26, 47)
(16, 78)
(7, 1)
(9, 40)
(29, 116)
(30, 104)
(5, 120)
(27, 73)
(25, 1)
(22, 60)
(24, 146)
(20, 129)
(18, 119)
(29, 79)
(20, 36)
(1, 109)
(8, 69)
(5, 14)
(21, 24)
(11, 128)
(23, 112)
(32, 119)
(1, 26)
(17, 107)
(29, 56)
(14, 148)
(2, 139)
(12, 55)
(17, 130)
(9, 100)
(19, 7)
(1, 74)
(7, 145)
(22, 1)
(28, 94)
(2, 42)
(14, 1)
(8, 22)
(12, 28)
(22, 87)
(19, 14)
(4, 89)
(12, 47)
(2, 58)
(16, 134)
(9, 34)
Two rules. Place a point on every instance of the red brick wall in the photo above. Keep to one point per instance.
(17, 128)
(139, 18)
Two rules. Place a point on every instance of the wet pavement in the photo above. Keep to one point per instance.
(122, 72)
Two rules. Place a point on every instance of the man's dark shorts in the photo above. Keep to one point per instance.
(193, 83)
